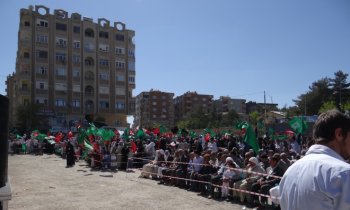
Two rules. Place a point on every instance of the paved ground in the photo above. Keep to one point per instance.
(43, 182)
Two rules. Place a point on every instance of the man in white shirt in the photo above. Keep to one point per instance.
(321, 179)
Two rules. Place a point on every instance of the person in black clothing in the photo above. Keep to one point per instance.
(70, 154)
(204, 175)
(125, 154)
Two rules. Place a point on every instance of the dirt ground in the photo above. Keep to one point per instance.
(43, 182)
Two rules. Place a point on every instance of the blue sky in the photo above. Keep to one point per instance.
(236, 48)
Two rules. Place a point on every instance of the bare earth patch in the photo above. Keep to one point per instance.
(44, 183)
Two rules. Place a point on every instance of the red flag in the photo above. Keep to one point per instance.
(156, 131)
(70, 134)
(207, 137)
(58, 137)
(133, 147)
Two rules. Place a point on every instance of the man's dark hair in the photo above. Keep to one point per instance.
(326, 124)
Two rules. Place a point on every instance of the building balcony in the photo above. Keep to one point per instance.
(89, 94)
(61, 77)
(76, 79)
(41, 76)
(24, 74)
(61, 92)
(41, 91)
(24, 90)
(76, 109)
(104, 82)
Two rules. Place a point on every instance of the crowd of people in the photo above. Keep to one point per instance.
(223, 168)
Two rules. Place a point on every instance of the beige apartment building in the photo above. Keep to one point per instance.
(73, 67)
(190, 101)
(154, 108)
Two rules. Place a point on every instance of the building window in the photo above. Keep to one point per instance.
(104, 104)
(61, 72)
(119, 50)
(76, 88)
(26, 54)
(61, 42)
(76, 44)
(103, 62)
(61, 57)
(76, 59)
(131, 79)
(131, 66)
(120, 105)
(42, 54)
(61, 26)
(26, 23)
(103, 47)
(104, 90)
(120, 91)
(61, 86)
(42, 70)
(42, 39)
(89, 47)
(41, 100)
(60, 102)
(41, 86)
(76, 103)
(42, 23)
(119, 37)
(89, 32)
(76, 29)
(120, 64)
(120, 78)
(131, 52)
(76, 73)
(103, 34)
(104, 76)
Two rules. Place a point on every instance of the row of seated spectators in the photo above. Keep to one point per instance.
(223, 173)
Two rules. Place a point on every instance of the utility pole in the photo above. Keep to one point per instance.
(264, 107)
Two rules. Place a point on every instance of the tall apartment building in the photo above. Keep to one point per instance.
(190, 101)
(74, 67)
(154, 107)
(226, 104)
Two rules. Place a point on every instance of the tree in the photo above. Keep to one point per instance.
(229, 118)
(340, 89)
(27, 117)
(254, 117)
(329, 105)
(310, 102)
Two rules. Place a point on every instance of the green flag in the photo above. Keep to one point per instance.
(126, 134)
(210, 131)
(249, 136)
(162, 129)
(140, 134)
(298, 124)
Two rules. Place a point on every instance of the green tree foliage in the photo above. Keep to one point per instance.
(229, 118)
(27, 117)
(310, 102)
(254, 117)
(340, 88)
(327, 106)
(198, 119)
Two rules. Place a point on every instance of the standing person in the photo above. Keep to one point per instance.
(321, 179)
(70, 154)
